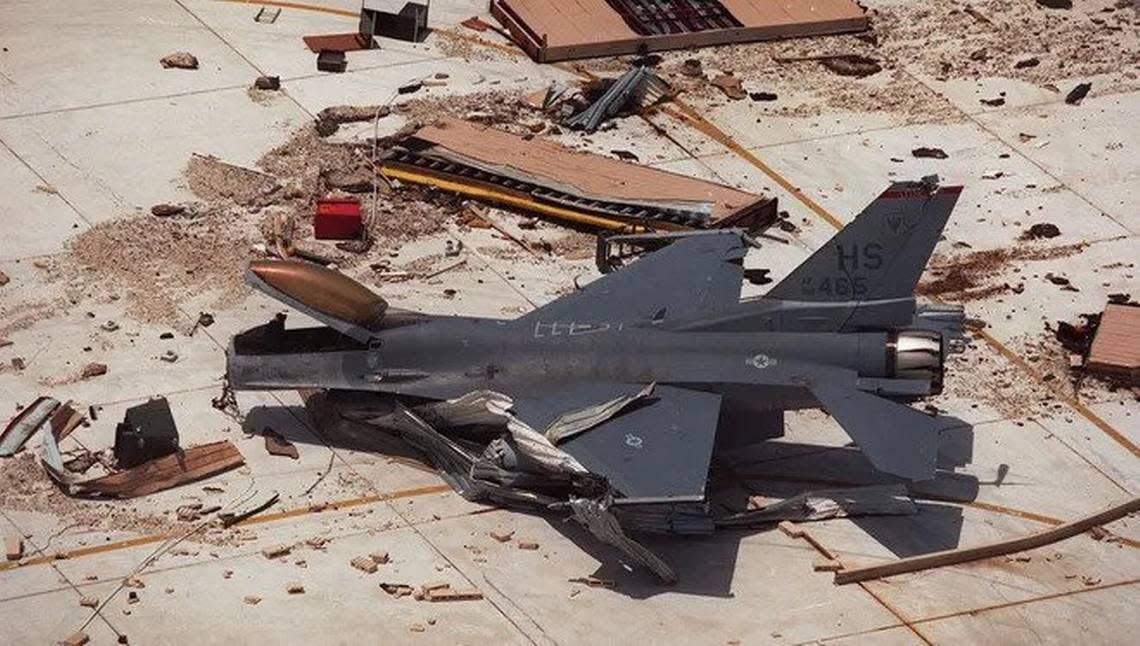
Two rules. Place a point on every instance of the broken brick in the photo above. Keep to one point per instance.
(528, 545)
(364, 564)
(14, 548)
(380, 558)
(251, 600)
(276, 551)
(78, 639)
(89, 602)
(502, 537)
(295, 587)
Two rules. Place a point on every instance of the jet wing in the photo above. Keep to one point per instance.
(698, 273)
(655, 449)
(896, 438)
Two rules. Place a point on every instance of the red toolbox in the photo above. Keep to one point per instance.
(337, 219)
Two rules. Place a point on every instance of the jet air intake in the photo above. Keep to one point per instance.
(916, 354)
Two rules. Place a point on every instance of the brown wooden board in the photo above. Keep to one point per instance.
(1116, 348)
(336, 42)
(557, 31)
(185, 466)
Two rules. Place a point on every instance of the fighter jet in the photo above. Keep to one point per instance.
(615, 394)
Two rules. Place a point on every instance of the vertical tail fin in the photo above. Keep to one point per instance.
(881, 254)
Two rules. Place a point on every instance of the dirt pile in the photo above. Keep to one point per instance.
(156, 262)
(973, 276)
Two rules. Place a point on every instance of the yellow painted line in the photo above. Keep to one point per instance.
(508, 199)
(685, 113)
(256, 520)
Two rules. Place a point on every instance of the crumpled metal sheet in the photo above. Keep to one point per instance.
(877, 500)
(572, 423)
(632, 88)
(596, 517)
(24, 425)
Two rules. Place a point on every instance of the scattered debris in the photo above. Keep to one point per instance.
(730, 85)
(929, 153)
(13, 547)
(295, 587)
(994, 102)
(25, 424)
(475, 23)
(337, 43)
(147, 432)
(447, 593)
(501, 536)
(852, 65)
(93, 370)
(109, 326)
(527, 545)
(1024, 63)
(410, 87)
(230, 519)
(89, 602)
(364, 564)
(637, 89)
(417, 628)
(167, 210)
(276, 551)
(827, 565)
(267, 15)
(1078, 93)
(379, 558)
(179, 468)
(4, 279)
(267, 83)
(762, 96)
(180, 60)
(332, 61)
(879, 500)
(1056, 4)
(276, 444)
(397, 589)
(692, 67)
(594, 582)
(353, 113)
(337, 218)
(169, 356)
(77, 639)
(1039, 231)
(251, 600)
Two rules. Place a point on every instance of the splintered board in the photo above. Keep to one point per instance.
(558, 31)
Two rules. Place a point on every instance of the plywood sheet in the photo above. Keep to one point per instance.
(590, 174)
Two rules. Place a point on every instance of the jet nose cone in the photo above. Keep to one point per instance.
(323, 290)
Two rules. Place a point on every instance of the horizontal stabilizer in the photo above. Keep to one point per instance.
(896, 438)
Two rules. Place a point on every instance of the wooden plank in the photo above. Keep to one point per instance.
(989, 550)
(185, 466)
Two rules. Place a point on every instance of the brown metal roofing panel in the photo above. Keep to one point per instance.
(552, 31)
(573, 22)
(760, 13)
(591, 174)
(1116, 348)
